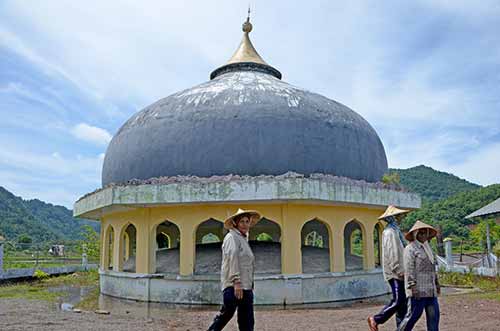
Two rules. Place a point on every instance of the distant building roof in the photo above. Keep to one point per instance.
(488, 210)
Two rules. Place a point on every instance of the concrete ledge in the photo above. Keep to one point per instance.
(320, 189)
(13, 274)
(269, 289)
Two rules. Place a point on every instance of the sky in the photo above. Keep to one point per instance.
(425, 74)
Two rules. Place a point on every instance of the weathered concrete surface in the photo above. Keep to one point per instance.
(12, 274)
(269, 289)
(320, 189)
(209, 130)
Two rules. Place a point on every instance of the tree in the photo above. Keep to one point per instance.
(479, 232)
(90, 243)
(391, 178)
(24, 239)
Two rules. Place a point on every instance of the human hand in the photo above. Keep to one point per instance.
(238, 291)
(438, 289)
(414, 292)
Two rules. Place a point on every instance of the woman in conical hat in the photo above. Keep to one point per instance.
(421, 281)
(393, 266)
(237, 271)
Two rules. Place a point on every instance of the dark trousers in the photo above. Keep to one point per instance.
(396, 306)
(416, 308)
(245, 311)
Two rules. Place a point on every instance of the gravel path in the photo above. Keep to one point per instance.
(459, 312)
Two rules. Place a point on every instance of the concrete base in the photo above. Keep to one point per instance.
(269, 289)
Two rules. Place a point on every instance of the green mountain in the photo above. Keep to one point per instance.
(449, 213)
(432, 185)
(41, 221)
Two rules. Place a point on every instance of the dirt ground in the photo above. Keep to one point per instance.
(458, 312)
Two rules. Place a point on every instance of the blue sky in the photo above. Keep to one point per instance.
(425, 74)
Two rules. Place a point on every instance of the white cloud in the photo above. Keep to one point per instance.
(481, 167)
(91, 134)
(371, 58)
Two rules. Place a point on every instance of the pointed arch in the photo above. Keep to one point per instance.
(128, 236)
(109, 236)
(316, 246)
(165, 247)
(377, 243)
(354, 236)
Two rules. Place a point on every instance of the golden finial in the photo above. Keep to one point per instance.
(247, 26)
(246, 52)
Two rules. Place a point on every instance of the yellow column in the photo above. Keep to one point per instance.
(144, 262)
(338, 248)
(118, 249)
(104, 246)
(187, 247)
(368, 247)
(291, 243)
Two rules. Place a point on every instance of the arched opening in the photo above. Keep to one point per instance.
(208, 257)
(315, 237)
(265, 241)
(129, 238)
(167, 244)
(109, 236)
(353, 246)
(163, 240)
(377, 244)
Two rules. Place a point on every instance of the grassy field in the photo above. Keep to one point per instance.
(489, 286)
(38, 289)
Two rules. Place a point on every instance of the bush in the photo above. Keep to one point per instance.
(40, 275)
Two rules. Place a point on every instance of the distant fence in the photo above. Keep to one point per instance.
(484, 264)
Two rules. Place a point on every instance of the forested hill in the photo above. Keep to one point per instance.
(432, 185)
(450, 213)
(39, 220)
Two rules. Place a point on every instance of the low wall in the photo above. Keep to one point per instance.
(13, 274)
(269, 290)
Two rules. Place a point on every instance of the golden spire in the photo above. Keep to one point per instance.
(246, 52)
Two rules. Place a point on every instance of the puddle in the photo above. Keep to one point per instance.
(72, 295)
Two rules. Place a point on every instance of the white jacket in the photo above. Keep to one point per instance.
(238, 262)
(392, 254)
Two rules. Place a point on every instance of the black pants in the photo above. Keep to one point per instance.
(396, 306)
(245, 311)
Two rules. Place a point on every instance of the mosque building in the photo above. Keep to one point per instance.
(245, 139)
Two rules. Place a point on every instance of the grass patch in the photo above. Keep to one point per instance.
(487, 284)
(38, 289)
(87, 278)
(28, 291)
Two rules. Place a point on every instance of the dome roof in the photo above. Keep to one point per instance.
(244, 121)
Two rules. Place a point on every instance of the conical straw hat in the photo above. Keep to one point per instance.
(393, 211)
(420, 225)
(254, 217)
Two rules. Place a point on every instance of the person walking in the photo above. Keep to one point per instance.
(393, 267)
(237, 272)
(421, 281)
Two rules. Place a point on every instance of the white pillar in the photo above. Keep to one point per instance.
(448, 252)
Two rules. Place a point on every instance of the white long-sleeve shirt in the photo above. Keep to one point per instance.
(392, 254)
(237, 261)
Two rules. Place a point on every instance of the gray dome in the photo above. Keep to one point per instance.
(244, 121)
